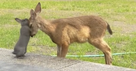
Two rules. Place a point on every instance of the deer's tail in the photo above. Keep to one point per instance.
(109, 29)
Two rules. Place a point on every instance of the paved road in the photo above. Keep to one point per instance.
(5, 66)
(48, 63)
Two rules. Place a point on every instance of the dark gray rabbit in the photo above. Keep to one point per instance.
(21, 46)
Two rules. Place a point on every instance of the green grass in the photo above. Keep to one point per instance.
(120, 14)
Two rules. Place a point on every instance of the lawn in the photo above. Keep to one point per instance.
(120, 14)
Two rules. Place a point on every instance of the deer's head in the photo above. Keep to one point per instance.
(34, 19)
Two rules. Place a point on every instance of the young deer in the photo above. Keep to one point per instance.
(65, 31)
(21, 45)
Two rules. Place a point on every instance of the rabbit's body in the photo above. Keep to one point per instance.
(21, 46)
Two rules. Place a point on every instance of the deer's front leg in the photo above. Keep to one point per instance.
(64, 50)
(59, 48)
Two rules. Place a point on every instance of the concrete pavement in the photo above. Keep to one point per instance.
(37, 62)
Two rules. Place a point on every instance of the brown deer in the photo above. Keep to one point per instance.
(65, 31)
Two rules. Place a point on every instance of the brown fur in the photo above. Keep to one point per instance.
(65, 31)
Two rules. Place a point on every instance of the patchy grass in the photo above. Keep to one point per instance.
(120, 14)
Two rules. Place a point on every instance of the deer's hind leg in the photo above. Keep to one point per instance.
(104, 47)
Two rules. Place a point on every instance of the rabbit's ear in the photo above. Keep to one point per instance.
(18, 20)
(38, 8)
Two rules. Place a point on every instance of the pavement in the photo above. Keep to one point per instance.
(4, 66)
(37, 62)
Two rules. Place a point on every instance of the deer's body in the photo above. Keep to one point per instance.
(65, 31)
(21, 46)
(77, 29)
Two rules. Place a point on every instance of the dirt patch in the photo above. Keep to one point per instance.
(10, 26)
(124, 28)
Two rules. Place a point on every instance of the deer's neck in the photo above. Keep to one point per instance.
(46, 26)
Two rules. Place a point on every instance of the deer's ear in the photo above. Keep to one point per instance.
(18, 20)
(38, 8)
(32, 14)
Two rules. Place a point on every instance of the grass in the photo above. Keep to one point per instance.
(120, 14)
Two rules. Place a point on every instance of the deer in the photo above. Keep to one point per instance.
(65, 31)
(21, 45)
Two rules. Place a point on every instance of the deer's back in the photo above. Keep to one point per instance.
(93, 22)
